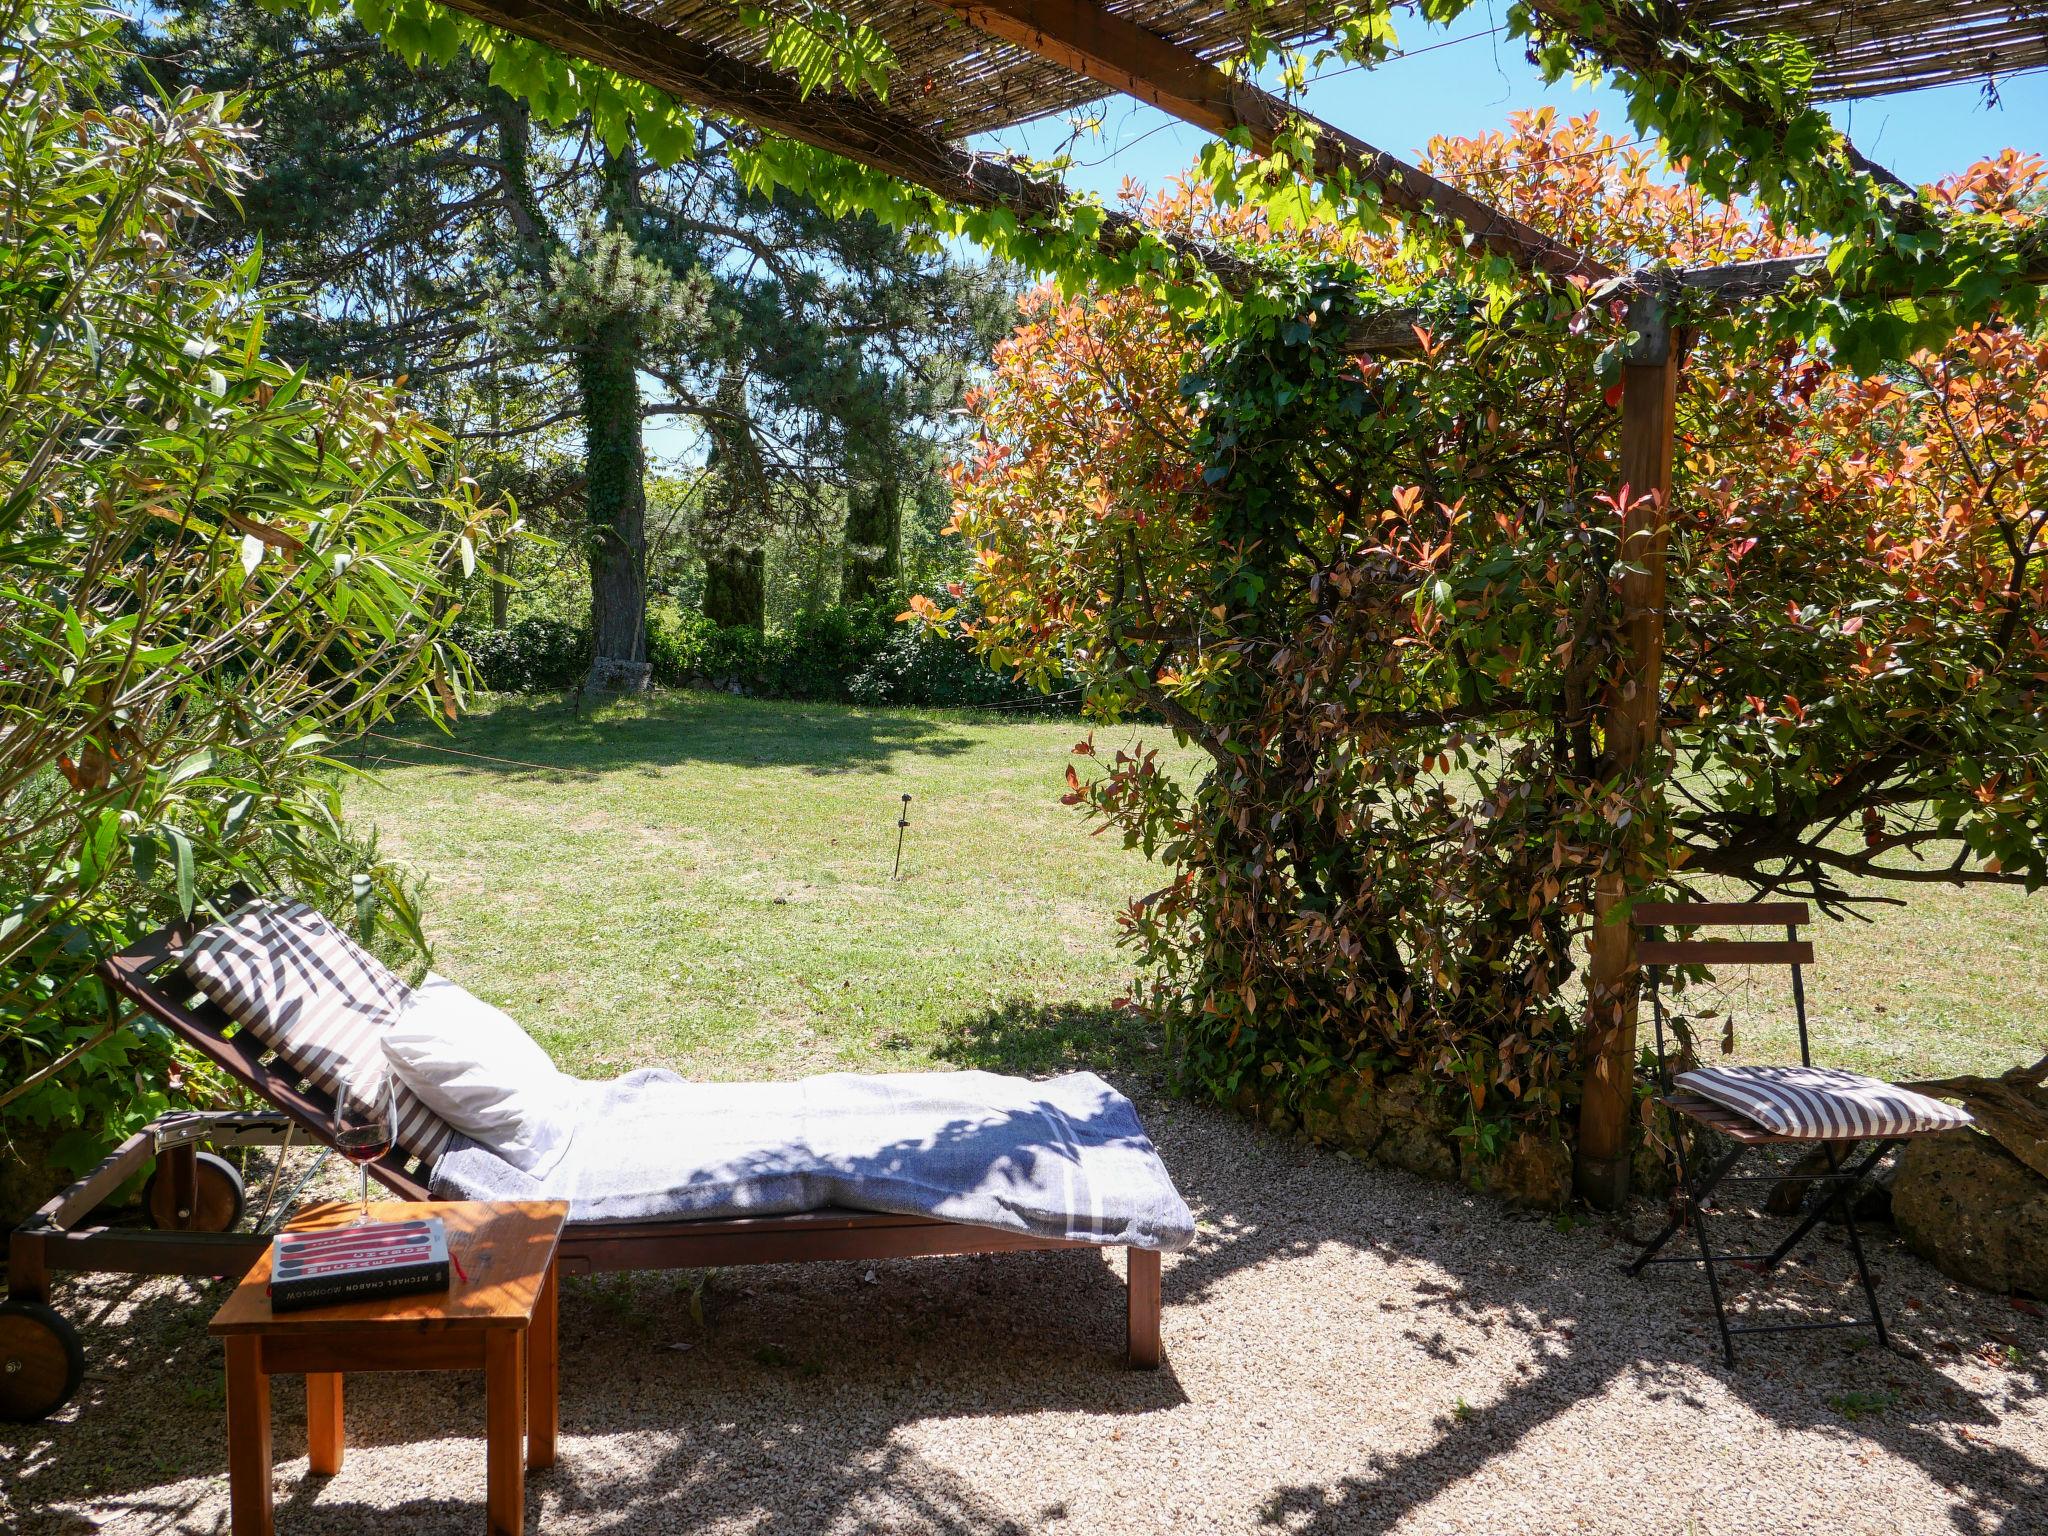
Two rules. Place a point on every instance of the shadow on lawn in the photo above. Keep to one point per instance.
(546, 742)
(1031, 1039)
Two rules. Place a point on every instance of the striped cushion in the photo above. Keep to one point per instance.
(1821, 1102)
(314, 996)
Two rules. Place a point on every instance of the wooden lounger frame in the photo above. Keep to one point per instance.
(57, 1238)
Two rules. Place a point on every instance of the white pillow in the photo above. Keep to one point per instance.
(483, 1074)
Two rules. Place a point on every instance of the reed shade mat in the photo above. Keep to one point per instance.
(959, 80)
(497, 1316)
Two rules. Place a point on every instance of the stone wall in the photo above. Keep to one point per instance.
(1398, 1119)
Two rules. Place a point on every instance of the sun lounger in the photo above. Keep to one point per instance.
(642, 1226)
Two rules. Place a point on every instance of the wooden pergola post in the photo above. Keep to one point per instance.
(1649, 428)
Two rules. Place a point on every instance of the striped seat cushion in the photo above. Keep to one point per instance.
(1822, 1103)
(317, 998)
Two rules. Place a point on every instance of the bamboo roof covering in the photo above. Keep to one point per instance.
(1879, 47)
(969, 66)
(956, 81)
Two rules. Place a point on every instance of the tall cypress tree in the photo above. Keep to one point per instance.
(874, 535)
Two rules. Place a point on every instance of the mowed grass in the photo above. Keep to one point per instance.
(703, 882)
(1951, 981)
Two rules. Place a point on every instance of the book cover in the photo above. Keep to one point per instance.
(390, 1258)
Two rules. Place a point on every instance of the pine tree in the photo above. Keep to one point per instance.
(548, 293)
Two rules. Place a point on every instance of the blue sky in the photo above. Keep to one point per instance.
(1464, 79)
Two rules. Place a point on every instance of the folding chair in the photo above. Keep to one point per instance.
(1699, 1176)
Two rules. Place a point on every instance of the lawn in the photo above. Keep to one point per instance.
(704, 881)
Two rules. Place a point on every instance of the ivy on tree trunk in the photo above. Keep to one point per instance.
(608, 398)
(608, 389)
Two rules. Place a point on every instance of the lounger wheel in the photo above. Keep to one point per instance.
(218, 1197)
(41, 1361)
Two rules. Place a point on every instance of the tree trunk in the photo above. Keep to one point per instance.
(874, 528)
(736, 588)
(501, 588)
(615, 498)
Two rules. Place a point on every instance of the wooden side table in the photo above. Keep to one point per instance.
(501, 1320)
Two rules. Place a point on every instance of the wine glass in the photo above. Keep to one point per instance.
(365, 1119)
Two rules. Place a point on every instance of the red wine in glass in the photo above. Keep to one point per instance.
(364, 1145)
(365, 1124)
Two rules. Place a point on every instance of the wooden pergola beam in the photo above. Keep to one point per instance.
(1081, 36)
(860, 131)
(1739, 280)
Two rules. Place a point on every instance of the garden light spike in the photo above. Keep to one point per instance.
(902, 822)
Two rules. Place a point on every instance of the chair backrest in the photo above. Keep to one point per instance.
(148, 975)
(1655, 952)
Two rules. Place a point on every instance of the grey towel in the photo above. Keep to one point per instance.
(1065, 1158)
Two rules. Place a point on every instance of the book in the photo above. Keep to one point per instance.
(339, 1264)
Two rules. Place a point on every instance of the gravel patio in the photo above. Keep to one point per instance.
(1348, 1349)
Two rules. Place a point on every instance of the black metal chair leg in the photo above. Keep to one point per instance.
(1685, 1200)
(1696, 1211)
(1699, 1227)
(1681, 1186)
(1850, 1180)
(1842, 1198)
(1671, 1229)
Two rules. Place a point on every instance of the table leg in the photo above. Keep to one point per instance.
(543, 1375)
(248, 1438)
(505, 1441)
(323, 1422)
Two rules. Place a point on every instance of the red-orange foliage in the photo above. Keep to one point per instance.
(1376, 593)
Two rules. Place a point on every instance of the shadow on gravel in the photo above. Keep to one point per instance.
(776, 1412)
(1590, 1328)
(786, 1401)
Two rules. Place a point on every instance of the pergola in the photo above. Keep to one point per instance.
(966, 67)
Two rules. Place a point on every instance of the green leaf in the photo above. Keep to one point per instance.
(666, 131)
(237, 813)
(181, 848)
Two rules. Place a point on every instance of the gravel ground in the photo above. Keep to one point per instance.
(1347, 1349)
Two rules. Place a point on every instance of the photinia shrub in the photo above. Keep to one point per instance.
(1376, 593)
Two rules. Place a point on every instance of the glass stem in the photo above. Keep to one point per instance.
(364, 1170)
